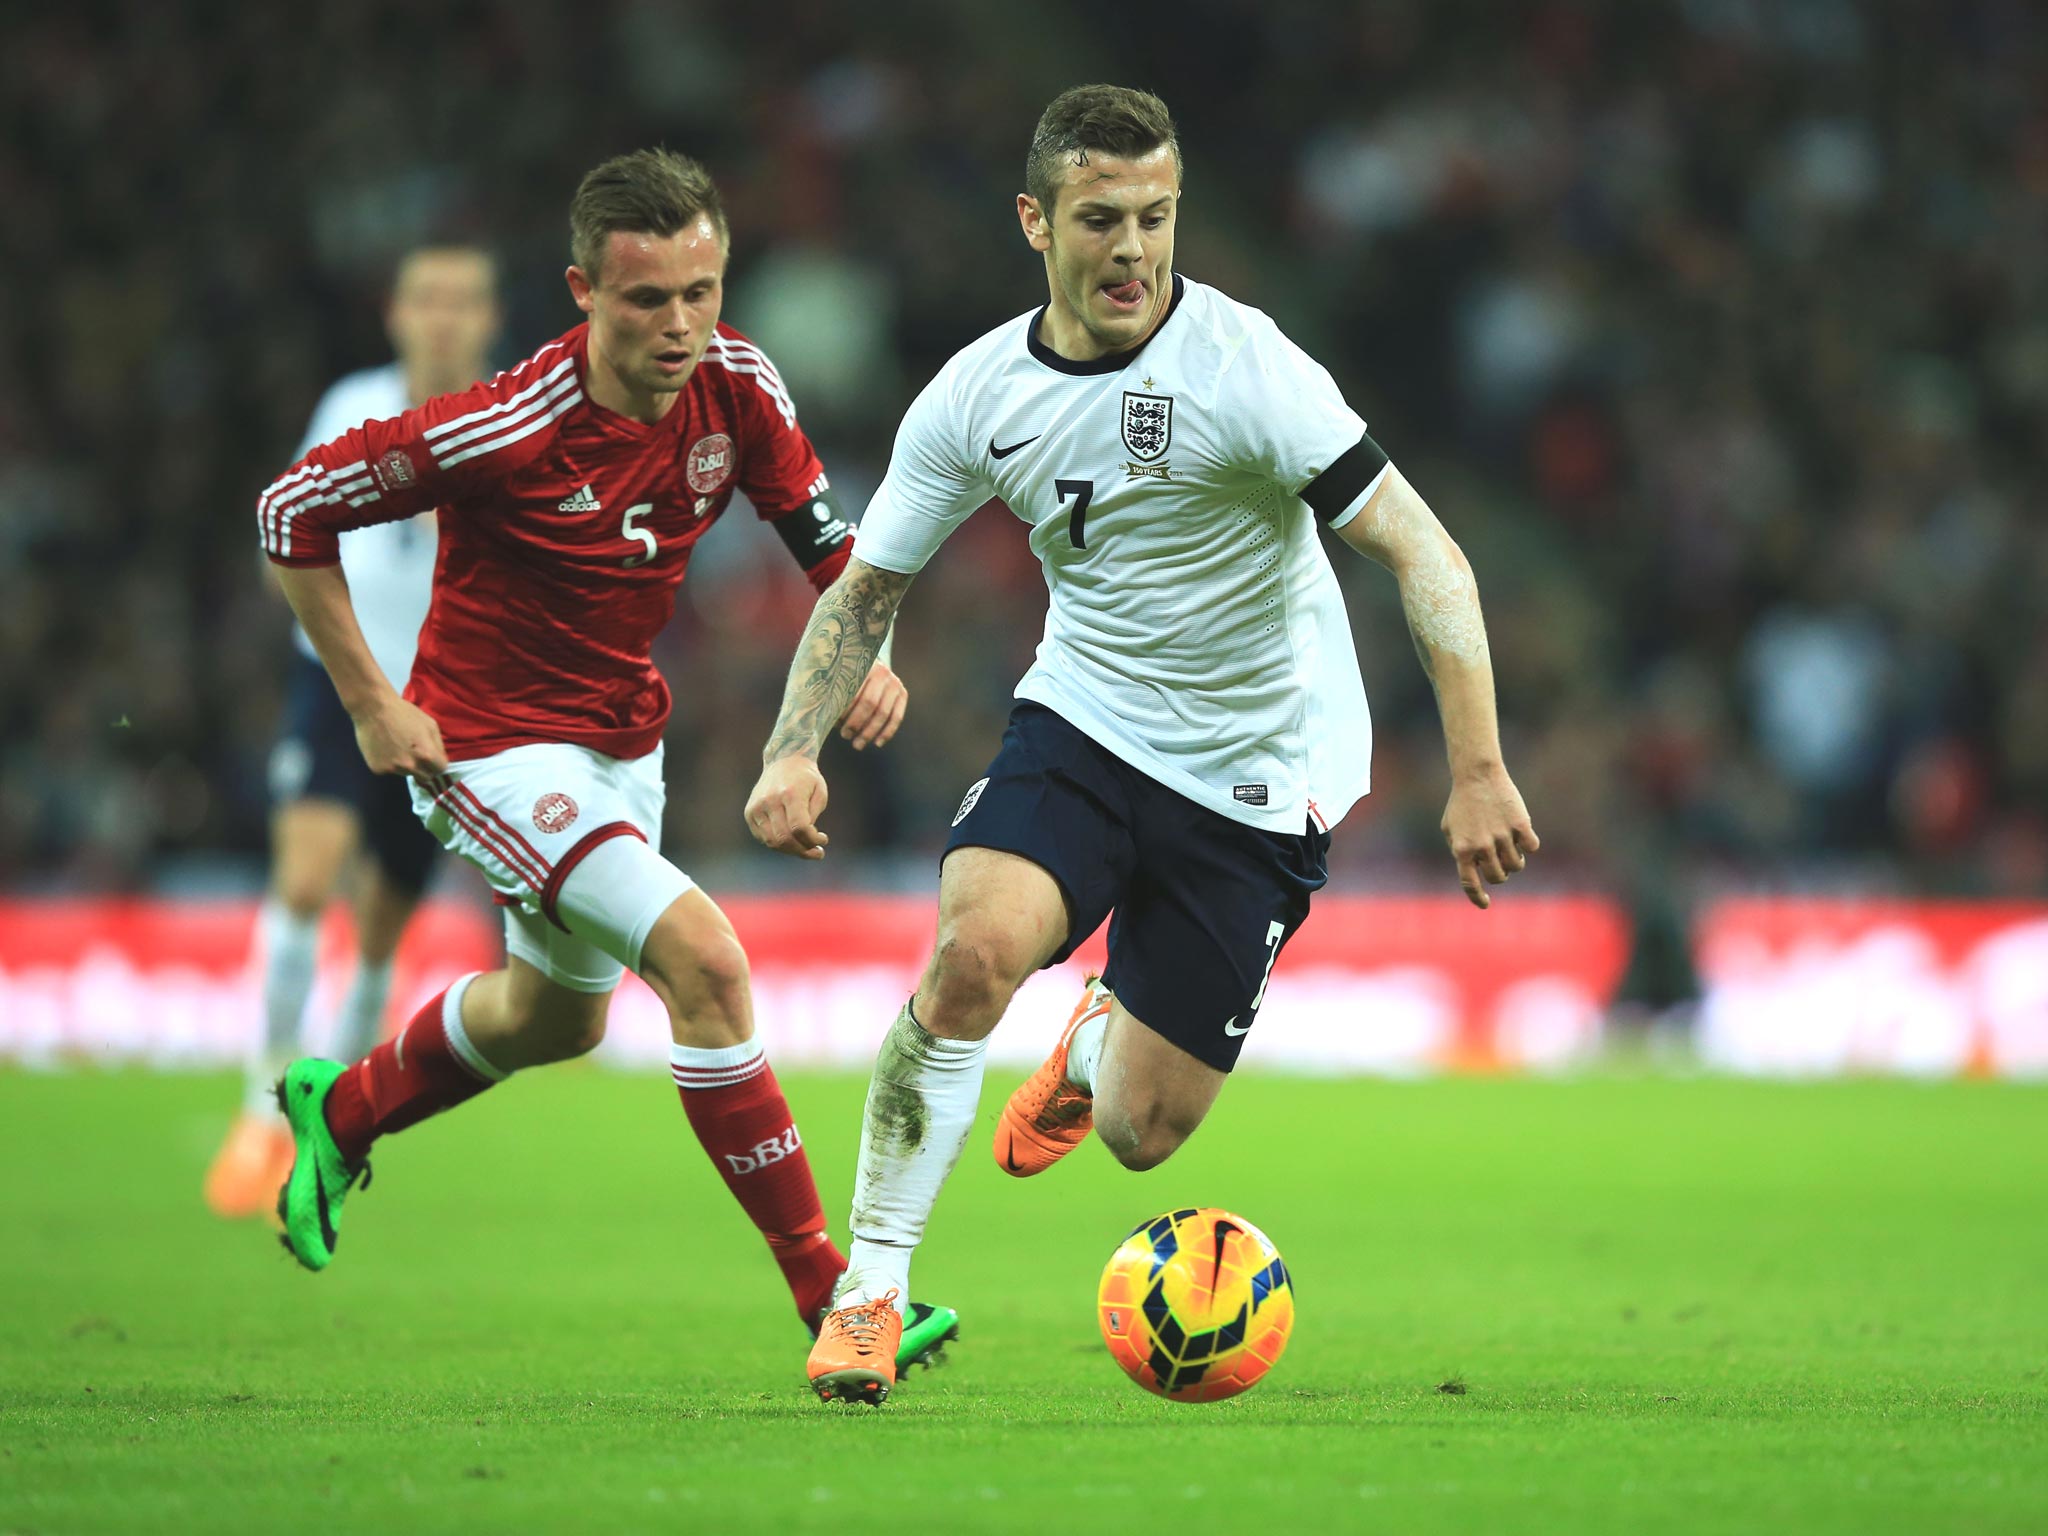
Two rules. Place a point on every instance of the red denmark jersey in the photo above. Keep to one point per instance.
(565, 529)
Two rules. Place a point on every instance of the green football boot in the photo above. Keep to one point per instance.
(927, 1330)
(309, 1205)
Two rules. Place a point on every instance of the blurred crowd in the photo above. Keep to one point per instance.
(1715, 330)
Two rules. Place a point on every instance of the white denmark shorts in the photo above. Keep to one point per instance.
(529, 817)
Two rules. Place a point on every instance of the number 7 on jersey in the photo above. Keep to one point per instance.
(1082, 491)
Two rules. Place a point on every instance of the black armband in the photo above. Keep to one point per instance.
(1336, 488)
(815, 531)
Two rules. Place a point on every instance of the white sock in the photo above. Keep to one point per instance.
(361, 1023)
(921, 1105)
(696, 1066)
(458, 1038)
(1084, 1052)
(291, 952)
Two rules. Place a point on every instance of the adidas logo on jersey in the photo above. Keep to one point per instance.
(582, 501)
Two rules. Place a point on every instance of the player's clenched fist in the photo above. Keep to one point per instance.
(784, 808)
(1488, 830)
(400, 737)
(876, 710)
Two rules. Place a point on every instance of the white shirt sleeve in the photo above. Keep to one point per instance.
(932, 485)
(1290, 419)
(376, 394)
(327, 423)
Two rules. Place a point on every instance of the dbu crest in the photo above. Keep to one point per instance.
(1148, 424)
(709, 464)
(395, 470)
(554, 812)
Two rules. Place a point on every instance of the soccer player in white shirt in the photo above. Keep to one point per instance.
(1192, 727)
(442, 319)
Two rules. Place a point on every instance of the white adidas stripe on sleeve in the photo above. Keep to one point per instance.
(526, 428)
(350, 484)
(547, 379)
(442, 450)
(740, 357)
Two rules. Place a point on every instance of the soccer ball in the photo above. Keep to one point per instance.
(1196, 1305)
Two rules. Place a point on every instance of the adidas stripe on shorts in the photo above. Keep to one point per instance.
(528, 817)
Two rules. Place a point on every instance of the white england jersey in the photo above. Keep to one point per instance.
(1195, 627)
(390, 566)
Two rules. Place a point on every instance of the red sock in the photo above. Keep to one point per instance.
(414, 1074)
(739, 1114)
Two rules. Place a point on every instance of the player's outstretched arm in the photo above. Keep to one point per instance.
(393, 735)
(833, 661)
(1485, 824)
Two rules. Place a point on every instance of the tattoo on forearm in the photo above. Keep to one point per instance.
(837, 651)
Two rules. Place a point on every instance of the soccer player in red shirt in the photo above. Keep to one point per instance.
(570, 492)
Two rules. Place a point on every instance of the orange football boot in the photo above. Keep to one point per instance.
(854, 1359)
(250, 1168)
(1047, 1117)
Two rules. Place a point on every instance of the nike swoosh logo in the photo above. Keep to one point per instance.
(1232, 1029)
(1223, 1230)
(1010, 1155)
(1003, 453)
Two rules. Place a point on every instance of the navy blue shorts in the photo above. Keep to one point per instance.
(316, 758)
(1200, 906)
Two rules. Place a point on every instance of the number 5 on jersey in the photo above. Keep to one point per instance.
(644, 535)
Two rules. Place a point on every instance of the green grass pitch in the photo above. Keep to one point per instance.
(1674, 1305)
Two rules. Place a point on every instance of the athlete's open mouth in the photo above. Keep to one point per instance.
(1125, 295)
(675, 360)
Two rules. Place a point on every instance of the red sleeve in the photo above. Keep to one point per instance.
(779, 470)
(434, 455)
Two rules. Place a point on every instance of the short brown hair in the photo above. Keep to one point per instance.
(650, 191)
(445, 248)
(1109, 119)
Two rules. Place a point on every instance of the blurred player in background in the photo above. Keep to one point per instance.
(1194, 723)
(571, 490)
(442, 320)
